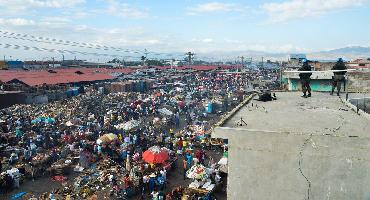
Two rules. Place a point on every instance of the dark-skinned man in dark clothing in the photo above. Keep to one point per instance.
(338, 77)
(305, 79)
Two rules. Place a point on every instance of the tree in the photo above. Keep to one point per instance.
(143, 58)
(115, 60)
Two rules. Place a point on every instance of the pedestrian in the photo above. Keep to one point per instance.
(169, 196)
(189, 158)
(152, 182)
(305, 79)
(160, 182)
(184, 164)
(155, 195)
(146, 182)
(163, 173)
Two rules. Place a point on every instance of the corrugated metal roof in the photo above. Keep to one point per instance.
(69, 75)
(40, 77)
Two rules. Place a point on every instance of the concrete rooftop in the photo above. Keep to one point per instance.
(295, 148)
(321, 114)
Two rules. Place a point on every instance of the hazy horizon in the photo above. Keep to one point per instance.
(175, 27)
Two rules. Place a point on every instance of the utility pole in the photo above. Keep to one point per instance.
(143, 58)
(190, 56)
(242, 58)
(172, 61)
(281, 75)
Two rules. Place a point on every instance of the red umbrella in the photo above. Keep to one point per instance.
(155, 155)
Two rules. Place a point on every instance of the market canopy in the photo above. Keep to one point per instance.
(155, 155)
(223, 165)
(165, 111)
(106, 138)
(75, 121)
(128, 125)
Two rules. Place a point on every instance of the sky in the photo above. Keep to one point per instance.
(177, 26)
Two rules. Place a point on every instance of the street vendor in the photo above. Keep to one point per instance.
(13, 158)
(127, 183)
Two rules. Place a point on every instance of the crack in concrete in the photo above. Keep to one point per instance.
(340, 125)
(300, 163)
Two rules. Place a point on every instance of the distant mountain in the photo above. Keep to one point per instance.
(350, 50)
(347, 53)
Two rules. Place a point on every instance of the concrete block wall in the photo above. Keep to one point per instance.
(358, 81)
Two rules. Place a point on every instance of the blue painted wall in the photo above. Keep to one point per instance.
(14, 64)
(320, 85)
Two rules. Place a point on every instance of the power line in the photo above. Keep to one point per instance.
(87, 45)
(47, 40)
(28, 48)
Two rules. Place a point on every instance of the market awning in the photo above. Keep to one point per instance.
(155, 155)
(106, 138)
(165, 111)
(128, 125)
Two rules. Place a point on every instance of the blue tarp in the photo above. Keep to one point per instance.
(47, 120)
(210, 108)
(72, 92)
(18, 195)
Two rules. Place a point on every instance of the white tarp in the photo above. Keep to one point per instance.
(223, 161)
(128, 125)
(165, 111)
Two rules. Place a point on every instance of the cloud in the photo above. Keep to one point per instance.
(25, 4)
(53, 3)
(18, 8)
(124, 10)
(205, 40)
(16, 22)
(215, 7)
(293, 9)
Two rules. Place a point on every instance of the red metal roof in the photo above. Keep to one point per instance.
(66, 78)
(40, 77)
(69, 75)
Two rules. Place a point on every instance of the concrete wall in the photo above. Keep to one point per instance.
(291, 166)
(358, 81)
(316, 85)
(9, 99)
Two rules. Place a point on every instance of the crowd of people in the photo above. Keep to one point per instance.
(122, 144)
